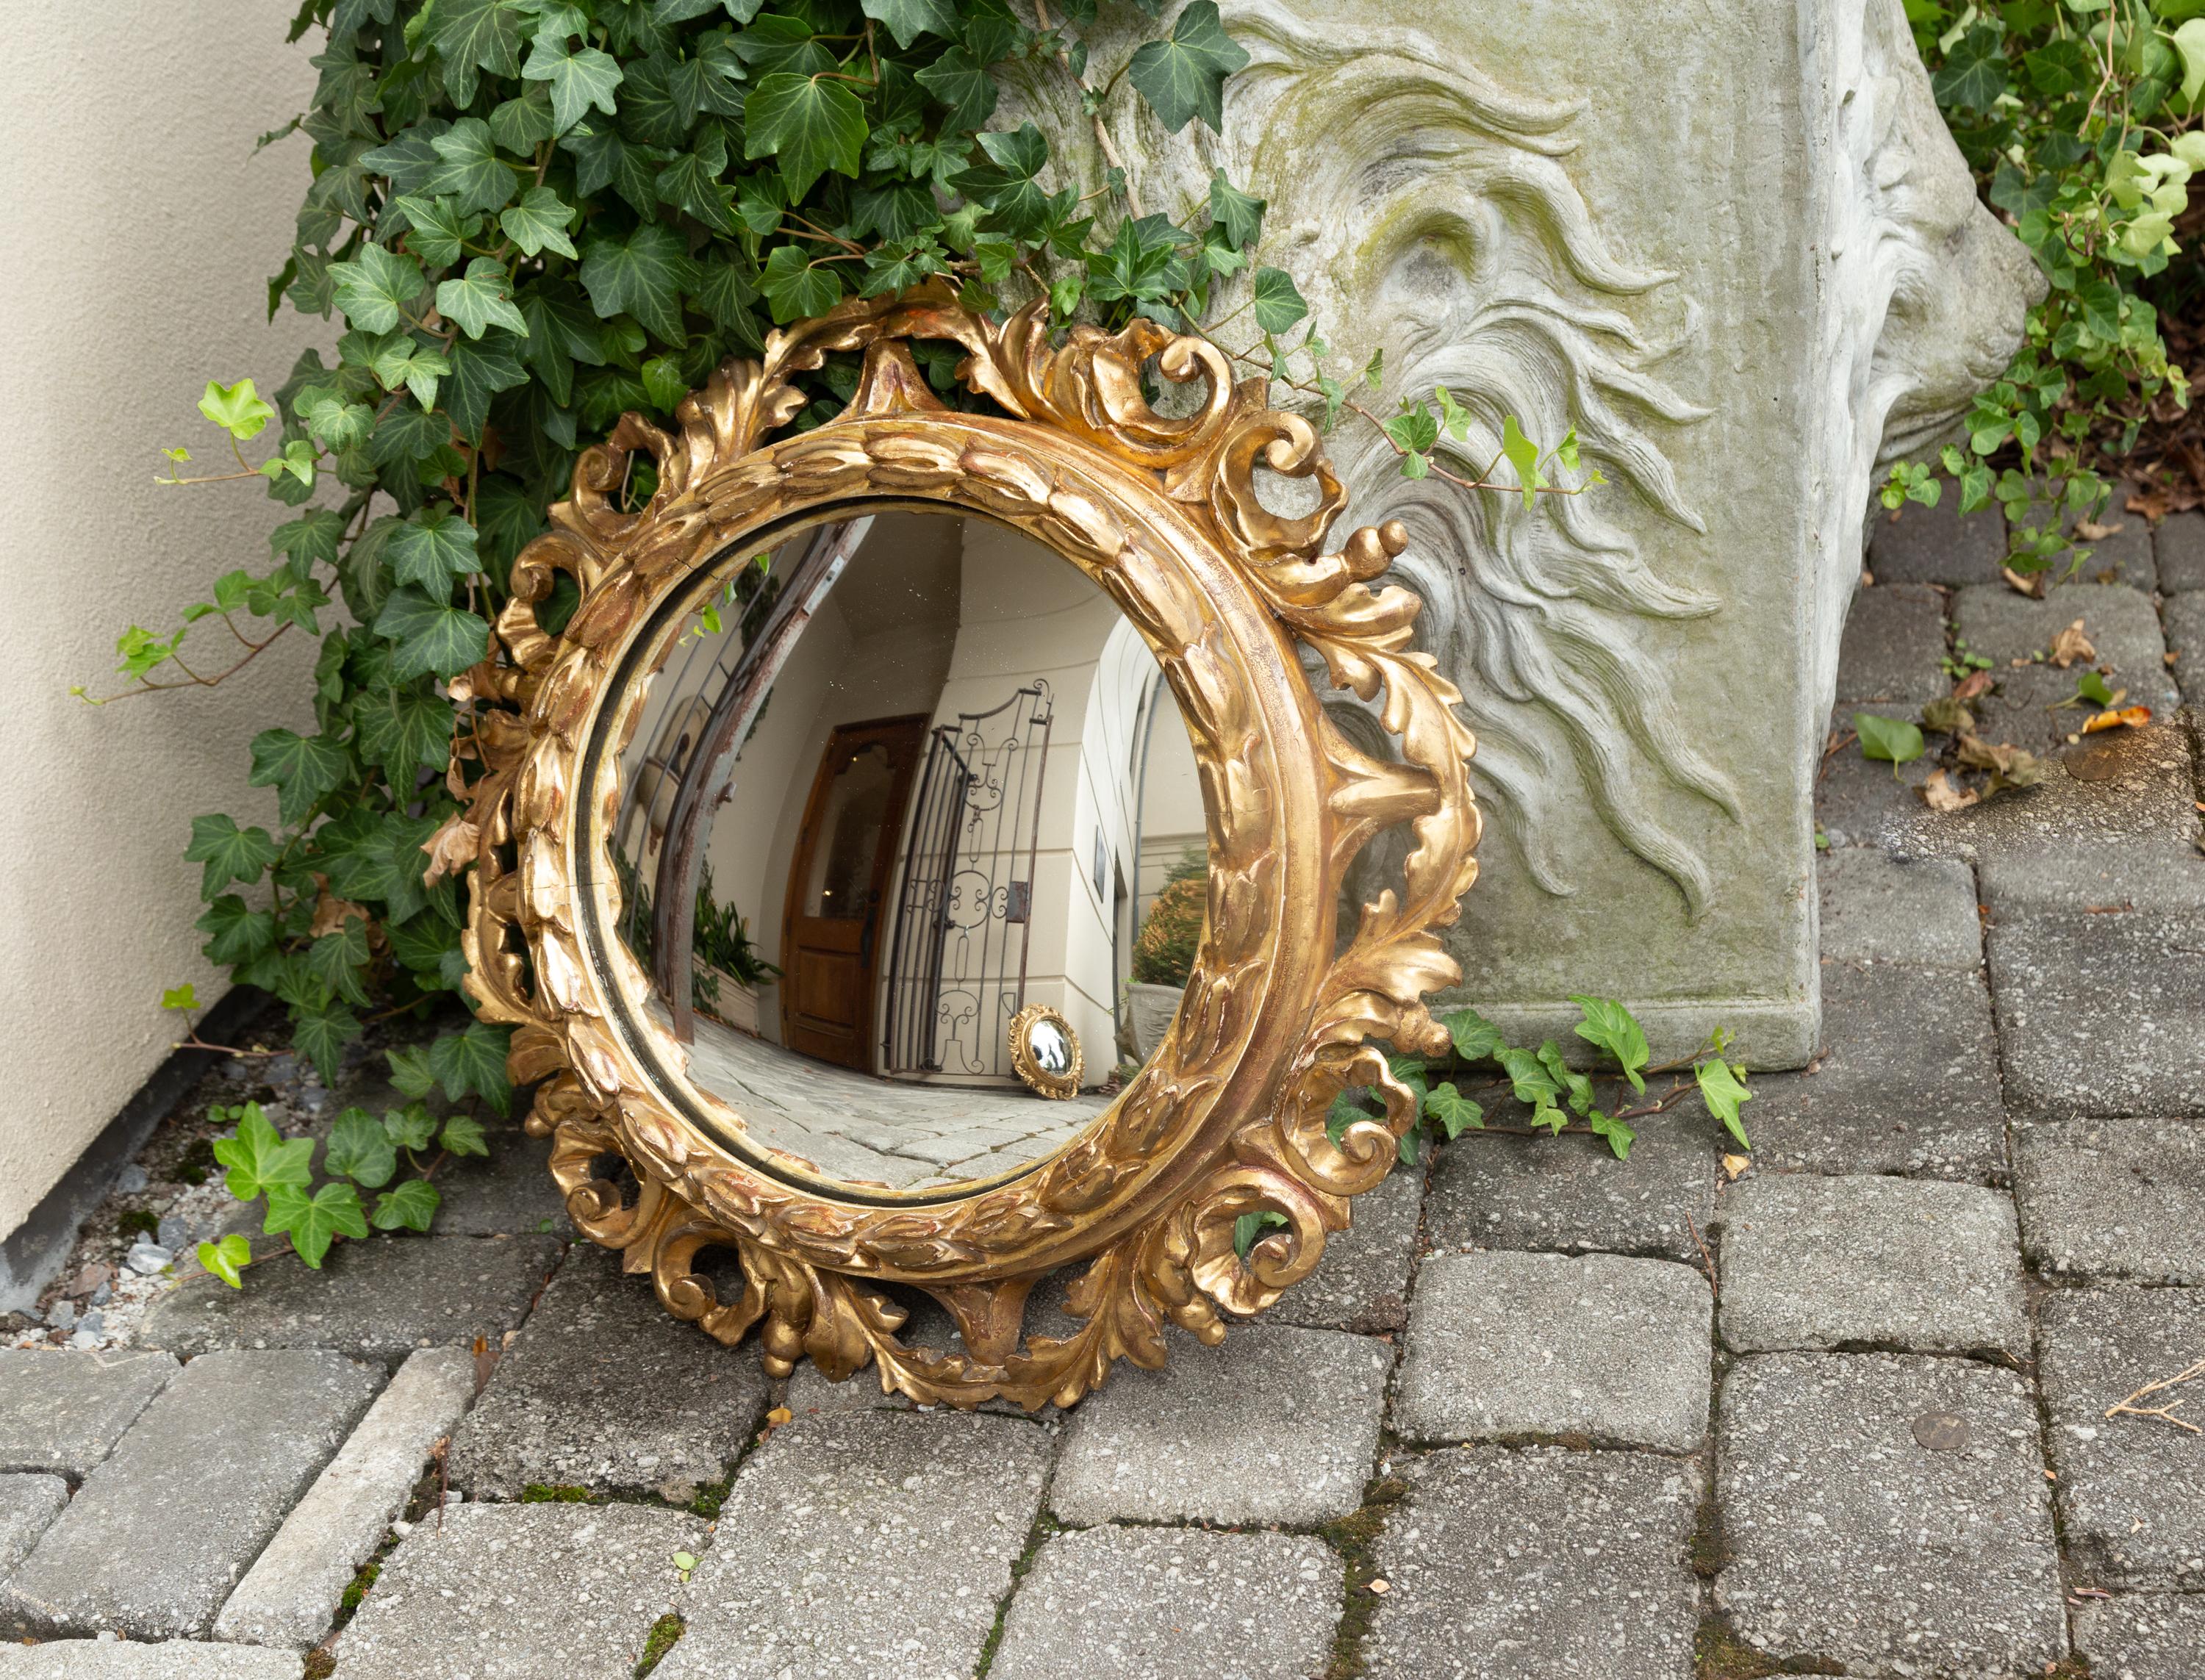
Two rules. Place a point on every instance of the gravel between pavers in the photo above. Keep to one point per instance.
(1509, 1346)
(1273, 1425)
(1850, 1543)
(159, 1534)
(1173, 1604)
(543, 1592)
(2131, 1490)
(1537, 1564)
(1925, 1267)
(873, 1543)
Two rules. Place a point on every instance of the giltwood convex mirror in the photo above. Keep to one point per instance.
(817, 843)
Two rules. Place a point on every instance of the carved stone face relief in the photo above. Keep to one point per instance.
(816, 840)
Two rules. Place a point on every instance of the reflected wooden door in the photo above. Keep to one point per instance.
(838, 885)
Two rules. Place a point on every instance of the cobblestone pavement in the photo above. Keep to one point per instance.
(1540, 1414)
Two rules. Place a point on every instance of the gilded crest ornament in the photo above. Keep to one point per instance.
(1228, 1116)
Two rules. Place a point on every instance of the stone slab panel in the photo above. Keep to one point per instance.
(2113, 1199)
(2184, 618)
(379, 1299)
(2003, 625)
(2130, 1502)
(1173, 1604)
(1571, 1195)
(63, 1411)
(1908, 1081)
(2101, 1015)
(1362, 1281)
(159, 1534)
(1273, 1425)
(1936, 545)
(603, 1389)
(1536, 1565)
(1521, 1346)
(1877, 907)
(2180, 545)
(520, 1593)
(28, 1505)
(1893, 641)
(1912, 1264)
(870, 1543)
(1851, 1546)
(131, 1659)
(289, 1595)
(2144, 1636)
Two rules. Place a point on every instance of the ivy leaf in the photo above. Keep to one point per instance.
(1528, 1077)
(579, 77)
(1974, 72)
(1620, 1134)
(478, 301)
(468, 167)
(692, 183)
(314, 1222)
(407, 433)
(1523, 455)
(361, 1149)
(412, 1127)
(1183, 76)
(810, 125)
(321, 1034)
(433, 546)
(907, 20)
(237, 409)
(375, 287)
(403, 729)
(1415, 429)
(227, 1259)
(260, 1159)
(312, 539)
(795, 287)
(480, 370)
(962, 82)
(1719, 1085)
(1475, 1037)
(539, 224)
(229, 853)
(1239, 216)
(1278, 304)
(339, 424)
(472, 1062)
(1890, 740)
(1455, 1113)
(439, 229)
(299, 767)
(1249, 1228)
(337, 959)
(410, 1207)
(1608, 1025)
(432, 636)
(643, 276)
(235, 934)
(411, 1073)
(477, 35)
(463, 1134)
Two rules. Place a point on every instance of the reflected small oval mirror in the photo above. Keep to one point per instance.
(909, 836)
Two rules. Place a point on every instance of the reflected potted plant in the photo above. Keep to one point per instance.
(729, 973)
(1163, 951)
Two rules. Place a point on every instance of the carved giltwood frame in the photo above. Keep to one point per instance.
(1229, 1116)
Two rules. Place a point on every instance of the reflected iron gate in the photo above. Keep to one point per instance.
(965, 908)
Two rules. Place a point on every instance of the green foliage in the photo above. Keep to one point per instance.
(1164, 949)
(2081, 120)
(1893, 740)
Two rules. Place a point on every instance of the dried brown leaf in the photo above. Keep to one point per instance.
(1949, 715)
(450, 849)
(2072, 644)
(1940, 795)
(331, 912)
(2128, 717)
(2031, 587)
(1974, 685)
(2091, 531)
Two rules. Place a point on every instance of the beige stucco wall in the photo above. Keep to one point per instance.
(136, 229)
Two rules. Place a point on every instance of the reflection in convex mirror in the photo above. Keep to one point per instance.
(909, 839)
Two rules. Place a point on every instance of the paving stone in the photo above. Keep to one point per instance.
(1572, 1194)
(289, 1596)
(1936, 545)
(1850, 1543)
(2130, 1504)
(2102, 1014)
(2144, 1636)
(2184, 617)
(2180, 545)
(2003, 625)
(2035, 707)
(1513, 1346)
(1362, 1282)
(1273, 1425)
(63, 1411)
(1173, 1604)
(28, 1503)
(1859, 801)
(129, 1659)
(1538, 1564)
(159, 1533)
(1908, 1081)
(603, 1390)
(520, 1593)
(1924, 1267)
(2113, 1199)
(2124, 555)
(508, 1193)
(874, 1543)
(1876, 906)
(1894, 637)
(380, 1299)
